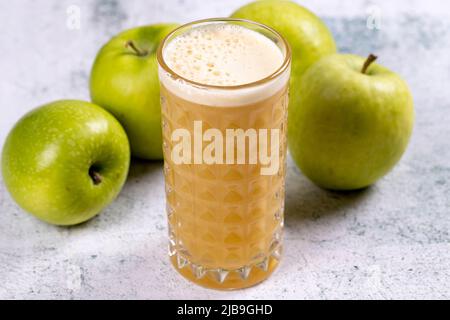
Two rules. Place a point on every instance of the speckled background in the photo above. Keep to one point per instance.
(389, 241)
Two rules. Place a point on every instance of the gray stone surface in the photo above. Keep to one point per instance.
(389, 241)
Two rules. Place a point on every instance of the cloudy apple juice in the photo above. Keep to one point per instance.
(224, 98)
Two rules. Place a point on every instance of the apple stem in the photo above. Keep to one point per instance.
(139, 52)
(371, 58)
(95, 176)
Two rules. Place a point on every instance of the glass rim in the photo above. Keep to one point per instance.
(279, 71)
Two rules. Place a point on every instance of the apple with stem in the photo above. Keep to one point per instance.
(66, 161)
(353, 124)
(124, 81)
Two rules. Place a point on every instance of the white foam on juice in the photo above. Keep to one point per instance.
(223, 55)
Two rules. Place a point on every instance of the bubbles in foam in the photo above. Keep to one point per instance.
(223, 54)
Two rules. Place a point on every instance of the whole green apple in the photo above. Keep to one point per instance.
(307, 35)
(124, 81)
(354, 122)
(65, 161)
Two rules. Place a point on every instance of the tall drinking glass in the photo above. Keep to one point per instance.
(224, 100)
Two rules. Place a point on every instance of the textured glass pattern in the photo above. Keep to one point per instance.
(225, 221)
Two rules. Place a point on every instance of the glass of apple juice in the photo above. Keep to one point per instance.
(224, 100)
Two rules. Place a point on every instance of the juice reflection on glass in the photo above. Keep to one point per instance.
(224, 97)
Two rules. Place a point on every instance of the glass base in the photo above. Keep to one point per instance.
(223, 279)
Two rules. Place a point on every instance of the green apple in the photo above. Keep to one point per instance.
(124, 81)
(307, 35)
(354, 122)
(65, 161)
